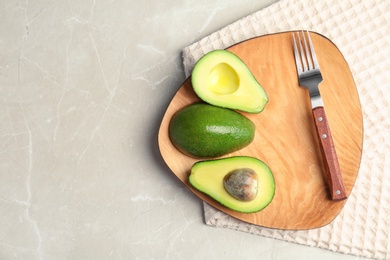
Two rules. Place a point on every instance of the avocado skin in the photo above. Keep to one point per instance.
(205, 131)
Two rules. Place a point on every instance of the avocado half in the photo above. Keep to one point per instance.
(207, 177)
(222, 79)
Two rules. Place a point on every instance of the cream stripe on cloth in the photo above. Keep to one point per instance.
(361, 30)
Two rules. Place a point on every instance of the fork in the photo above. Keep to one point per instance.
(309, 76)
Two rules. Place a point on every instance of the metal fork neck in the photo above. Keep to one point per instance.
(316, 101)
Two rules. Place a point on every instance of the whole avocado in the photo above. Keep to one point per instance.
(205, 131)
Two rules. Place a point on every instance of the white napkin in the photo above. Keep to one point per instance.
(361, 30)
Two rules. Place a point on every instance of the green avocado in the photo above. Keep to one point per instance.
(208, 177)
(204, 131)
(222, 79)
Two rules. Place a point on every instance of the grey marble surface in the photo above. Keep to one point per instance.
(83, 88)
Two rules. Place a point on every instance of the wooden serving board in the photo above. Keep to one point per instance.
(285, 137)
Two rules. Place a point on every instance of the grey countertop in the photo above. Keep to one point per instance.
(83, 88)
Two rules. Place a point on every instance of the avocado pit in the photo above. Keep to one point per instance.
(241, 184)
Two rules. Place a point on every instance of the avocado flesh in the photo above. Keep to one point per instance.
(207, 177)
(204, 131)
(222, 79)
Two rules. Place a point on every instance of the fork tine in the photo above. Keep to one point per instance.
(313, 53)
(303, 57)
(297, 56)
(308, 54)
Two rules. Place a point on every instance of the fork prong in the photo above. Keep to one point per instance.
(303, 56)
(298, 61)
(313, 53)
(308, 54)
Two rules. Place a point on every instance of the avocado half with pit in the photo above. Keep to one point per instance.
(221, 78)
(210, 176)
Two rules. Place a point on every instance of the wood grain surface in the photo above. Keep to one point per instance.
(285, 137)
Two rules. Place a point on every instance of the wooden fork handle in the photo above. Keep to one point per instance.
(332, 167)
